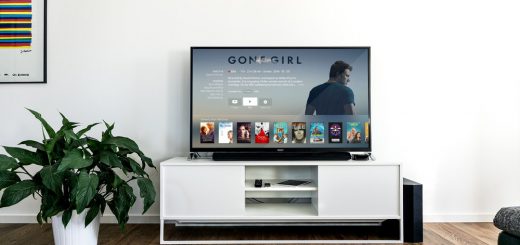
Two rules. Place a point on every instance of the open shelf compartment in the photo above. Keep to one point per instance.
(280, 200)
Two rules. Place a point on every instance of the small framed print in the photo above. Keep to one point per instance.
(23, 48)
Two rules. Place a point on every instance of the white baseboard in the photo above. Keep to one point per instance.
(431, 218)
(107, 219)
(154, 218)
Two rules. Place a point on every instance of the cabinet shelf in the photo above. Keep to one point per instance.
(281, 210)
(250, 186)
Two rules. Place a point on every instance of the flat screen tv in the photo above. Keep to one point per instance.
(280, 99)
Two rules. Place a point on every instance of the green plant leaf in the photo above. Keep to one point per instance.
(124, 198)
(120, 220)
(37, 179)
(72, 179)
(51, 204)
(106, 175)
(7, 179)
(126, 164)
(117, 181)
(17, 192)
(33, 144)
(51, 143)
(107, 133)
(7, 162)
(67, 214)
(52, 179)
(136, 168)
(66, 123)
(147, 160)
(91, 214)
(147, 192)
(78, 143)
(74, 159)
(39, 218)
(44, 157)
(124, 152)
(123, 142)
(25, 157)
(110, 159)
(101, 200)
(83, 131)
(70, 135)
(64, 120)
(47, 127)
(85, 190)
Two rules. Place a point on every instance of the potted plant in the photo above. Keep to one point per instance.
(78, 178)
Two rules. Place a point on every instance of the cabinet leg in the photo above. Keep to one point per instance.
(162, 231)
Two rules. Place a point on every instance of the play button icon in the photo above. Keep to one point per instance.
(250, 101)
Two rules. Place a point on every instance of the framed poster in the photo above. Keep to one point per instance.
(23, 35)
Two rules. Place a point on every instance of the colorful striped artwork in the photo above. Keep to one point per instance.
(15, 24)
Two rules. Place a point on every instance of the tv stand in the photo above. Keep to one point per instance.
(207, 193)
(280, 156)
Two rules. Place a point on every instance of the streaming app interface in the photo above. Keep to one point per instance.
(280, 98)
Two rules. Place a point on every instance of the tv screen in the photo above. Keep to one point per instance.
(280, 99)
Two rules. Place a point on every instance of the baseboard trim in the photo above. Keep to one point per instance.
(432, 218)
(106, 219)
(154, 218)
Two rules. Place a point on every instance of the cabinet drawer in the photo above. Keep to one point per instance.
(202, 191)
(359, 191)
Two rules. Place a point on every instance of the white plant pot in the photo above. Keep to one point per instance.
(76, 233)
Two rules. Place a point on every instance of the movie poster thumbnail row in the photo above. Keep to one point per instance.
(284, 133)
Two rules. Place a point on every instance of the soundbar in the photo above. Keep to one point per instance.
(280, 156)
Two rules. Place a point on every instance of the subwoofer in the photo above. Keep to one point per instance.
(413, 211)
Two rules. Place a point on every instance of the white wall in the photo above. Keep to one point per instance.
(444, 77)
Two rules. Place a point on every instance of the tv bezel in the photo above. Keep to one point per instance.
(280, 149)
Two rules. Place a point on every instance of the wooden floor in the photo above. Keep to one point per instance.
(434, 233)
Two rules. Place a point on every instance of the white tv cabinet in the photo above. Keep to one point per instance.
(203, 191)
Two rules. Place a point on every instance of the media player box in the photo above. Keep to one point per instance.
(413, 211)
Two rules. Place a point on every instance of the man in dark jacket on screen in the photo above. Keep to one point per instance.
(333, 97)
